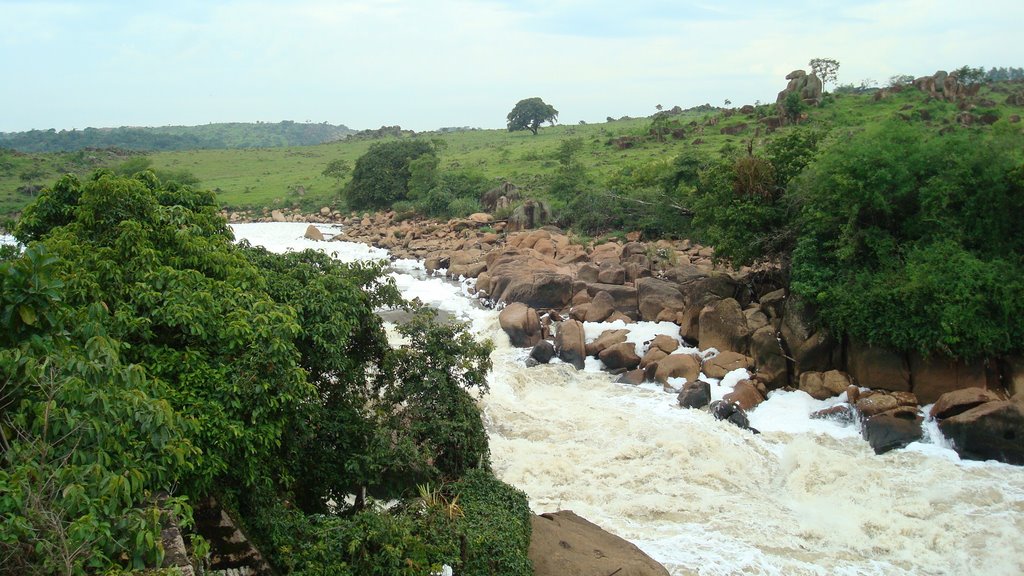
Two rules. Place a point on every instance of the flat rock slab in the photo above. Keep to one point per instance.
(564, 544)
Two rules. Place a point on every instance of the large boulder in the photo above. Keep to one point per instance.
(521, 323)
(878, 368)
(959, 401)
(600, 308)
(824, 385)
(885, 433)
(810, 347)
(991, 431)
(769, 358)
(677, 366)
(538, 289)
(543, 352)
(655, 296)
(723, 326)
(314, 233)
(624, 297)
(933, 376)
(745, 394)
(695, 394)
(607, 339)
(721, 364)
(569, 343)
(620, 356)
(564, 544)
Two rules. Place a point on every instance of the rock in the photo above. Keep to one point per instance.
(769, 358)
(543, 352)
(521, 323)
(588, 272)
(745, 395)
(875, 404)
(959, 401)
(624, 296)
(622, 355)
(653, 356)
(824, 385)
(530, 214)
(1012, 369)
(878, 368)
(481, 218)
(695, 394)
(665, 343)
(655, 296)
(611, 273)
(723, 326)
(725, 362)
(564, 544)
(601, 307)
(885, 433)
(730, 412)
(991, 431)
(934, 376)
(632, 377)
(607, 339)
(773, 303)
(538, 289)
(569, 343)
(840, 413)
(607, 252)
(277, 216)
(756, 319)
(314, 233)
(677, 366)
(810, 348)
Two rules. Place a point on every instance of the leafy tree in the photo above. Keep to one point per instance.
(794, 106)
(824, 68)
(900, 80)
(381, 175)
(529, 114)
(339, 169)
(968, 75)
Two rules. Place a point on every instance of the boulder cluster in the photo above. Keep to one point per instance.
(549, 285)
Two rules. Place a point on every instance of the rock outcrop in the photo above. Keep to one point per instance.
(564, 544)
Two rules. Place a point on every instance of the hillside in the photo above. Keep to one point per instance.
(265, 177)
(221, 135)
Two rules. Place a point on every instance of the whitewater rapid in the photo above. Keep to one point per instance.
(703, 496)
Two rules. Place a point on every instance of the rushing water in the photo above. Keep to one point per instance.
(705, 497)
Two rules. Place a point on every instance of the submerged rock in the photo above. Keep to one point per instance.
(723, 410)
(885, 433)
(991, 431)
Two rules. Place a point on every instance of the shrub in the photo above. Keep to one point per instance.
(381, 175)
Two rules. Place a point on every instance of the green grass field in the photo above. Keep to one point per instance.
(280, 177)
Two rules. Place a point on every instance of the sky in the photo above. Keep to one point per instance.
(428, 64)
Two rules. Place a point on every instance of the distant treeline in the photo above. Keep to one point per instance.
(225, 135)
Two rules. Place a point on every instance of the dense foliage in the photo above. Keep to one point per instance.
(381, 176)
(902, 237)
(149, 362)
(225, 135)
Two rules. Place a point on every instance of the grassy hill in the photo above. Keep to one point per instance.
(291, 175)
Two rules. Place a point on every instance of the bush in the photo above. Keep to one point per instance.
(496, 526)
(381, 175)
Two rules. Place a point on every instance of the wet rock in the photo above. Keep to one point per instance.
(934, 376)
(601, 307)
(745, 394)
(769, 358)
(314, 233)
(564, 544)
(632, 377)
(606, 339)
(810, 348)
(959, 401)
(730, 412)
(677, 366)
(991, 431)
(878, 368)
(840, 413)
(664, 343)
(653, 356)
(622, 355)
(725, 362)
(722, 325)
(824, 385)
(569, 343)
(885, 433)
(521, 323)
(543, 352)
(695, 394)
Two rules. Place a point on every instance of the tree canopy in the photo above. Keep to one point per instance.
(529, 114)
(825, 68)
(381, 175)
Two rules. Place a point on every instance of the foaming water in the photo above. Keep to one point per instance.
(705, 497)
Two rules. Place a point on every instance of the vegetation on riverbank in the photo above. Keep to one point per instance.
(146, 354)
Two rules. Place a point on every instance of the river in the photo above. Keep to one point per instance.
(703, 496)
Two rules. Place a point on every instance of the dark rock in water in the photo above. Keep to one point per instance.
(695, 394)
(991, 431)
(885, 433)
(632, 377)
(622, 355)
(731, 412)
(841, 413)
(959, 401)
(564, 544)
(569, 343)
(543, 352)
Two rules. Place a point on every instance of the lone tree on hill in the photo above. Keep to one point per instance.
(529, 114)
(824, 68)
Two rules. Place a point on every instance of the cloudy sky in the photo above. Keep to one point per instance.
(425, 64)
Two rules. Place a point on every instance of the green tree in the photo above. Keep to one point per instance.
(339, 169)
(381, 175)
(825, 68)
(529, 114)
